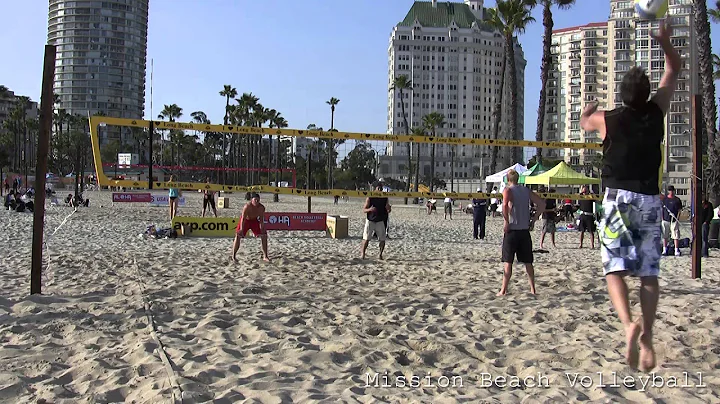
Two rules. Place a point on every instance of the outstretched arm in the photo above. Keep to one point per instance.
(366, 207)
(672, 68)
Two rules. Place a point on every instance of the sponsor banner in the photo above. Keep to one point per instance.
(118, 197)
(225, 226)
(296, 221)
(164, 200)
(205, 226)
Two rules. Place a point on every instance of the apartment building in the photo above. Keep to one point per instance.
(589, 63)
(101, 58)
(454, 60)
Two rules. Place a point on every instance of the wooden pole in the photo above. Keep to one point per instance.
(307, 182)
(150, 165)
(46, 109)
(697, 120)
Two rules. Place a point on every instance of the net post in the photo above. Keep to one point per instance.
(46, 116)
(696, 187)
(307, 182)
(150, 165)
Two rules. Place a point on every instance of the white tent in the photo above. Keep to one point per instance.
(499, 176)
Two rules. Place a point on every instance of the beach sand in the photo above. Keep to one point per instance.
(127, 319)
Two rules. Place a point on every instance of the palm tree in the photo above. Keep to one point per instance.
(546, 64)
(228, 92)
(172, 112)
(201, 118)
(433, 121)
(498, 24)
(246, 103)
(516, 16)
(277, 121)
(4, 92)
(402, 83)
(331, 148)
(705, 62)
(419, 131)
(716, 67)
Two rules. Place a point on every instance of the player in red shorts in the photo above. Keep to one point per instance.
(252, 219)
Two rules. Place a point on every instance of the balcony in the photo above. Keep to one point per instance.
(678, 154)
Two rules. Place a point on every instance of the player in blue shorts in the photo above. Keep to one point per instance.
(630, 230)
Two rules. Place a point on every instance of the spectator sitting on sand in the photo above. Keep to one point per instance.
(10, 201)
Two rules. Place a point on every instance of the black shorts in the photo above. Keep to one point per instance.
(208, 201)
(172, 198)
(587, 223)
(517, 242)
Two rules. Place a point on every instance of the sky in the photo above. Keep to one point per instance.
(293, 55)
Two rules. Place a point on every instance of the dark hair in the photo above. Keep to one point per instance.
(671, 188)
(635, 88)
(255, 195)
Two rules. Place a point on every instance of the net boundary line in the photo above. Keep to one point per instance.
(246, 130)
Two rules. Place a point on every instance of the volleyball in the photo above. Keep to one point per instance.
(651, 9)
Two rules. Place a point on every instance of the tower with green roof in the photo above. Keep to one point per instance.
(453, 58)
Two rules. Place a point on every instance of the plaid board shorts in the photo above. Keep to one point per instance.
(630, 233)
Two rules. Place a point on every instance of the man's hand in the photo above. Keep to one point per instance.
(506, 228)
(372, 209)
(591, 108)
(663, 34)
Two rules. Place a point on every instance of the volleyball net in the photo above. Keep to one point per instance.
(313, 162)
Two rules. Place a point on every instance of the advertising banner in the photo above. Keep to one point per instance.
(118, 197)
(164, 200)
(296, 221)
(225, 226)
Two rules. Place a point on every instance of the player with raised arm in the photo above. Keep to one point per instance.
(630, 230)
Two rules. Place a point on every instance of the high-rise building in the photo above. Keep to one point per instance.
(101, 57)
(589, 63)
(454, 59)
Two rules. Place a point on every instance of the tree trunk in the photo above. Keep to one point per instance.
(544, 70)
(330, 148)
(276, 197)
(432, 165)
(417, 171)
(702, 26)
(512, 133)
(409, 145)
(497, 115)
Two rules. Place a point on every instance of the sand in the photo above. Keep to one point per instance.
(125, 319)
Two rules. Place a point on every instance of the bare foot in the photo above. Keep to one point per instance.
(381, 258)
(233, 259)
(532, 291)
(631, 334)
(362, 257)
(501, 293)
(266, 258)
(647, 353)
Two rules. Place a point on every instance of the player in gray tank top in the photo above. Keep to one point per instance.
(516, 239)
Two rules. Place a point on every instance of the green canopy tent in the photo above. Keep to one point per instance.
(561, 174)
(537, 169)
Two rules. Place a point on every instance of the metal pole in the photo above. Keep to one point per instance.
(697, 187)
(150, 165)
(46, 108)
(307, 182)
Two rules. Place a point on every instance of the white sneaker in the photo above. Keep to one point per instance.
(665, 251)
(677, 253)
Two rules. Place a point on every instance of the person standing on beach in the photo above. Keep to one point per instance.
(706, 218)
(377, 211)
(479, 217)
(630, 233)
(173, 195)
(252, 219)
(549, 222)
(587, 218)
(494, 203)
(448, 207)
(670, 223)
(208, 199)
(516, 240)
